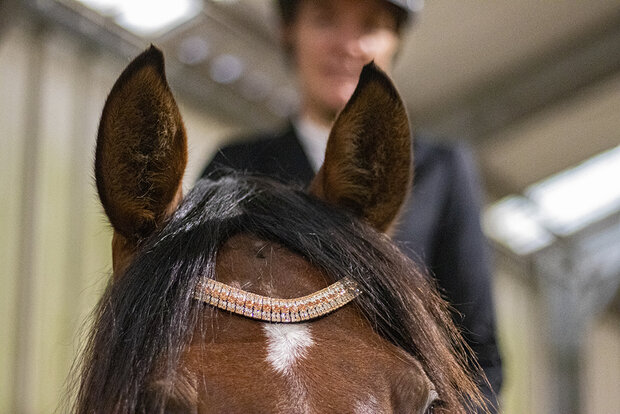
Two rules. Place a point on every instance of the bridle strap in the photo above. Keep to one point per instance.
(268, 309)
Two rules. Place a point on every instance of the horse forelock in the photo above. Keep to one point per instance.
(149, 316)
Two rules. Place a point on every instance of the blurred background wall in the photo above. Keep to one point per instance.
(533, 87)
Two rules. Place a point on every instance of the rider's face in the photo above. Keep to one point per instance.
(331, 41)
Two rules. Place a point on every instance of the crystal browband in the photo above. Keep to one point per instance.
(269, 309)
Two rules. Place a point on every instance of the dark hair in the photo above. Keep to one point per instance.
(147, 317)
(288, 13)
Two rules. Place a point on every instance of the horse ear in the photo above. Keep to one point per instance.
(141, 150)
(368, 161)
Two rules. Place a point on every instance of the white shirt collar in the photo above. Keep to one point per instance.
(313, 139)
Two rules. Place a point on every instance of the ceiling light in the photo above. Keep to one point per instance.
(575, 198)
(557, 206)
(146, 18)
(226, 69)
(513, 222)
(193, 50)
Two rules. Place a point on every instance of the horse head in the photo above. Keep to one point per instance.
(176, 329)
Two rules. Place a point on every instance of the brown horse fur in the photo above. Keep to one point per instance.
(368, 161)
(141, 154)
(154, 348)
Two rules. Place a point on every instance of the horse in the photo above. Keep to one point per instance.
(249, 295)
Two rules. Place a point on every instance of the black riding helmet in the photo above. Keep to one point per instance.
(403, 10)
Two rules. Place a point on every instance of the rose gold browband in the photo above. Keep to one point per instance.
(269, 309)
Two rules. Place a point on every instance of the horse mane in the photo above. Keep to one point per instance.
(148, 315)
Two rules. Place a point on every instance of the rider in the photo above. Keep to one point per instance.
(326, 43)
